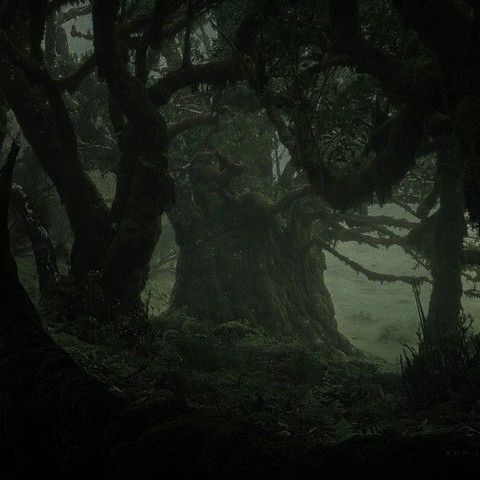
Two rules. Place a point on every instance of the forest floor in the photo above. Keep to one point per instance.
(314, 396)
(319, 396)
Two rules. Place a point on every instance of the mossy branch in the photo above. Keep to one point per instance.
(370, 274)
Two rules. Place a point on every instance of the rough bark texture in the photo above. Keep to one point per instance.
(261, 271)
(248, 258)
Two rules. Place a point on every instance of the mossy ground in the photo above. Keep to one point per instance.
(317, 394)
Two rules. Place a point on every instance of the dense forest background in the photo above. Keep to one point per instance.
(235, 229)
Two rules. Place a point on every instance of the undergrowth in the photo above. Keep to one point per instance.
(444, 366)
(88, 317)
(283, 386)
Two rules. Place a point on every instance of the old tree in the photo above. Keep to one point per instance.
(263, 130)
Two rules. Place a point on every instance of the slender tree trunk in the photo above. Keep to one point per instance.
(42, 246)
(447, 256)
(149, 188)
(53, 141)
(51, 43)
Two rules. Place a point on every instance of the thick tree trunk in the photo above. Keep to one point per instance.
(259, 270)
(442, 325)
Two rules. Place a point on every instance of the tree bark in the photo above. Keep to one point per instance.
(260, 273)
(149, 189)
(442, 323)
(54, 143)
(42, 246)
(238, 261)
